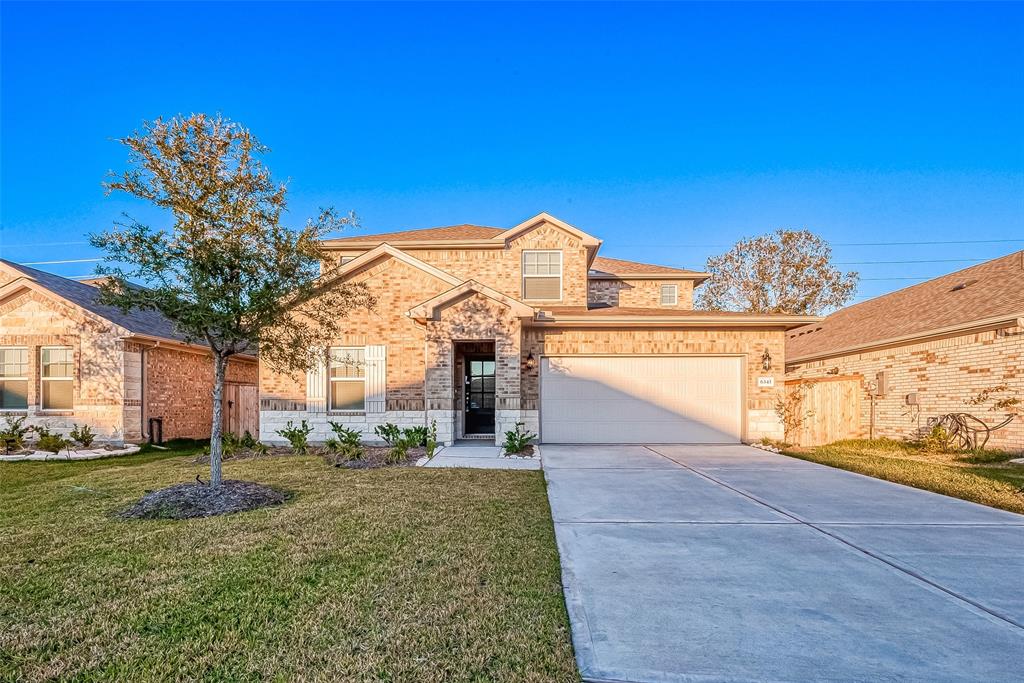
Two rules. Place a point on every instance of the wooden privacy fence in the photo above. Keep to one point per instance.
(241, 409)
(830, 408)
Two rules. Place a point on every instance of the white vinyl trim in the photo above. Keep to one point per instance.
(669, 295)
(560, 275)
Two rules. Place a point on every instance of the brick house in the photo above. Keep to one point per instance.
(922, 352)
(66, 359)
(479, 328)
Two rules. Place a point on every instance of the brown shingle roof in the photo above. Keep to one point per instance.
(448, 232)
(984, 291)
(614, 266)
(146, 323)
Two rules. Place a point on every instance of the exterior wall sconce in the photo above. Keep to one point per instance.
(531, 362)
(766, 360)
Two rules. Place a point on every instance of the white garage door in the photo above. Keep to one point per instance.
(641, 399)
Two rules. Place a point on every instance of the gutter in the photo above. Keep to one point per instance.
(983, 325)
(786, 321)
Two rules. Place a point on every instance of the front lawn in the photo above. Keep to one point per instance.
(401, 574)
(982, 477)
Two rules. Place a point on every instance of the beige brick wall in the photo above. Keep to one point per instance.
(32, 321)
(502, 268)
(760, 401)
(640, 293)
(944, 373)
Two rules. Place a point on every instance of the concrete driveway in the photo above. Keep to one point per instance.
(728, 563)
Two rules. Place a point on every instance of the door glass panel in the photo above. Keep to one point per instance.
(489, 384)
(488, 367)
(475, 367)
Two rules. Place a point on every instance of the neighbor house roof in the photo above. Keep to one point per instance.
(85, 296)
(987, 294)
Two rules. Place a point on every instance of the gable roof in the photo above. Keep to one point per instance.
(386, 249)
(145, 323)
(428, 309)
(984, 294)
(443, 233)
(613, 268)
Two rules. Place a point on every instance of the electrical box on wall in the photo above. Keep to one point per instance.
(912, 398)
(881, 383)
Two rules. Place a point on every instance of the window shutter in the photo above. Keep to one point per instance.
(376, 378)
(316, 386)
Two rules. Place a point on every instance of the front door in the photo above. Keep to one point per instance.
(480, 395)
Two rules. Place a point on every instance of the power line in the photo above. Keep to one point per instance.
(74, 260)
(940, 260)
(43, 244)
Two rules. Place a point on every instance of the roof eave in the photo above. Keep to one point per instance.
(985, 324)
(758, 321)
(701, 277)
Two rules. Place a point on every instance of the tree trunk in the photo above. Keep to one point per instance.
(219, 365)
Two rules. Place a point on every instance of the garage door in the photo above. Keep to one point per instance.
(641, 399)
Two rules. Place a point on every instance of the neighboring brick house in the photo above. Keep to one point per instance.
(66, 359)
(925, 351)
(479, 328)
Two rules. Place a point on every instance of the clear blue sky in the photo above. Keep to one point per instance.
(655, 127)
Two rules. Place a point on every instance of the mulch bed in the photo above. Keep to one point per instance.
(194, 499)
(374, 458)
(527, 452)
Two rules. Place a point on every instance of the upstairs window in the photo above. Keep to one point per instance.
(57, 377)
(542, 275)
(13, 379)
(670, 295)
(348, 379)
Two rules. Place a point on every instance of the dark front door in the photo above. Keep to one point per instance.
(480, 395)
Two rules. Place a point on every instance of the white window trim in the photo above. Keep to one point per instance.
(561, 271)
(675, 295)
(24, 378)
(69, 378)
(330, 394)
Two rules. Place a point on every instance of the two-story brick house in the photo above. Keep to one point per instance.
(479, 328)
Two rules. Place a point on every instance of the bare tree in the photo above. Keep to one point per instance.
(226, 271)
(788, 271)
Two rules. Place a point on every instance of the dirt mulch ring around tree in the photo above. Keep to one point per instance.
(193, 499)
(375, 457)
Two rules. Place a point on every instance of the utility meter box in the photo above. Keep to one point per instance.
(912, 398)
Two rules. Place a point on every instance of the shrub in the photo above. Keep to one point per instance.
(14, 432)
(53, 443)
(415, 436)
(339, 452)
(937, 440)
(389, 433)
(259, 448)
(345, 435)
(297, 437)
(516, 440)
(248, 441)
(397, 453)
(83, 435)
(230, 444)
(431, 442)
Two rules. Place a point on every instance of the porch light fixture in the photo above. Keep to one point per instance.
(531, 362)
(766, 360)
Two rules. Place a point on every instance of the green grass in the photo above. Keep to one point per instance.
(981, 477)
(402, 574)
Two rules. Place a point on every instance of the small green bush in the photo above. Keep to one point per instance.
(247, 440)
(415, 436)
(54, 443)
(259, 448)
(14, 432)
(431, 442)
(516, 440)
(397, 453)
(83, 435)
(230, 444)
(339, 453)
(389, 433)
(297, 437)
(345, 435)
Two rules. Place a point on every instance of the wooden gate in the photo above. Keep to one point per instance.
(241, 409)
(830, 408)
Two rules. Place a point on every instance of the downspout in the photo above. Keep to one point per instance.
(143, 385)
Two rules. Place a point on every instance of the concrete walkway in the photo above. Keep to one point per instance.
(469, 454)
(728, 563)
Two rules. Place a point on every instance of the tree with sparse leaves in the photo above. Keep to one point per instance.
(226, 271)
(788, 271)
